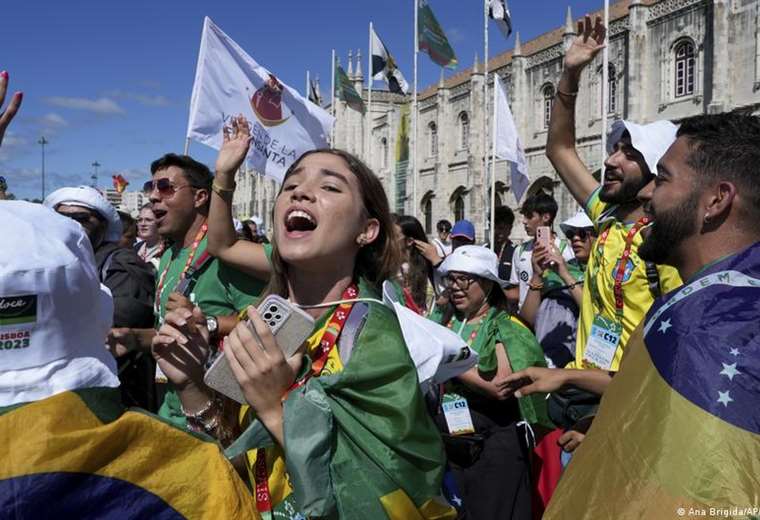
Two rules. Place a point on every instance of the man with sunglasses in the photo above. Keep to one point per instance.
(128, 278)
(180, 193)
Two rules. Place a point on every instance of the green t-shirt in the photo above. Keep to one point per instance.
(219, 290)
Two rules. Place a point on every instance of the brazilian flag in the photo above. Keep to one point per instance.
(82, 455)
(431, 38)
(678, 430)
(344, 89)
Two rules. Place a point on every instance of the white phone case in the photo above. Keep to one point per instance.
(290, 326)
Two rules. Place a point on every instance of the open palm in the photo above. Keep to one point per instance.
(237, 141)
(587, 44)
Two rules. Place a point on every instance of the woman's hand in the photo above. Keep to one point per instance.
(237, 141)
(261, 369)
(181, 347)
(429, 251)
(535, 379)
(6, 116)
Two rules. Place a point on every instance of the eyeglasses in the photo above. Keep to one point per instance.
(463, 282)
(164, 186)
(582, 234)
(83, 217)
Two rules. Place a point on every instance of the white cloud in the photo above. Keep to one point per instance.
(53, 120)
(101, 105)
(151, 101)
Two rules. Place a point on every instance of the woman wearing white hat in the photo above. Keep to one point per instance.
(556, 291)
(481, 418)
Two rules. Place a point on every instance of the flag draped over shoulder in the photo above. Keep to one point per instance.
(229, 82)
(344, 89)
(80, 455)
(508, 146)
(678, 430)
(384, 66)
(431, 38)
(499, 12)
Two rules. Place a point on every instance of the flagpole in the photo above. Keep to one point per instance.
(308, 85)
(605, 84)
(187, 146)
(485, 101)
(493, 167)
(369, 100)
(414, 115)
(332, 103)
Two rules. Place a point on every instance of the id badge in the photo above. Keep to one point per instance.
(602, 343)
(457, 414)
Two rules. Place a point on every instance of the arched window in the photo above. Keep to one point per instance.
(383, 152)
(464, 131)
(433, 134)
(458, 208)
(685, 68)
(548, 99)
(427, 210)
(611, 89)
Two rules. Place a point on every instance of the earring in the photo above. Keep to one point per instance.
(707, 218)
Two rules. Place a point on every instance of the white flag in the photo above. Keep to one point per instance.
(229, 82)
(508, 146)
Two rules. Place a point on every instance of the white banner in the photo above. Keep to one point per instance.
(229, 82)
(508, 146)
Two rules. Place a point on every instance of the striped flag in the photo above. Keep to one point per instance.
(314, 95)
(499, 12)
(119, 183)
(384, 66)
(431, 38)
(678, 430)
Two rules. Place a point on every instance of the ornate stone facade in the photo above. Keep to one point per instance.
(669, 59)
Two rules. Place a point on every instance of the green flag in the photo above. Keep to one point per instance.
(431, 38)
(344, 89)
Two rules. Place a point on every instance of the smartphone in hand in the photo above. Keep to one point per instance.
(290, 326)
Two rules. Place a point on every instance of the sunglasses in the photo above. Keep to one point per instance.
(164, 187)
(582, 234)
(463, 282)
(82, 217)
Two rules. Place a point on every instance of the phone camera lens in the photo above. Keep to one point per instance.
(278, 316)
(273, 308)
(267, 315)
(272, 323)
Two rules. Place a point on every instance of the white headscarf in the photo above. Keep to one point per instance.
(651, 140)
(89, 198)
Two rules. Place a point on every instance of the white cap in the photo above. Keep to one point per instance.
(651, 140)
(54, 312)
(89, 198)
(578, 221)
(477, 260)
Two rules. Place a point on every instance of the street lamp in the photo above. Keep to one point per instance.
(42, 142)
(94, 177)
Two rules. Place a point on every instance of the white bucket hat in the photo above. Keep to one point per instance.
(89, 198)
(651, 140)
(578, 221)
(477, 260)
(54, 312)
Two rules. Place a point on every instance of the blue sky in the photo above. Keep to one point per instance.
(111, 81)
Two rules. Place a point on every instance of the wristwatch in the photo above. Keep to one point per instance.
(212, 324)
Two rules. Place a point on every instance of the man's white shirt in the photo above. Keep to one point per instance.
(522, 266)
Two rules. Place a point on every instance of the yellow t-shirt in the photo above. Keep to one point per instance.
(602, 264)
(279, 483)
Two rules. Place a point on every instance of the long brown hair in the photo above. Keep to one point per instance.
(375, 262)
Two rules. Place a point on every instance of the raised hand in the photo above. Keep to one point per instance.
(6, 116)
(587, 44)
(429, 251)
(237, 141)
(181, 347)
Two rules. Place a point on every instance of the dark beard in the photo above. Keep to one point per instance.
(669, 229)
(627, 193)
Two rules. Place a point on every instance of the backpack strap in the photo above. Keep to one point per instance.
(353, 326)
(653, 279)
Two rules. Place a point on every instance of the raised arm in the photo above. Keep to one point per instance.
(560, 143)
(223, 242)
